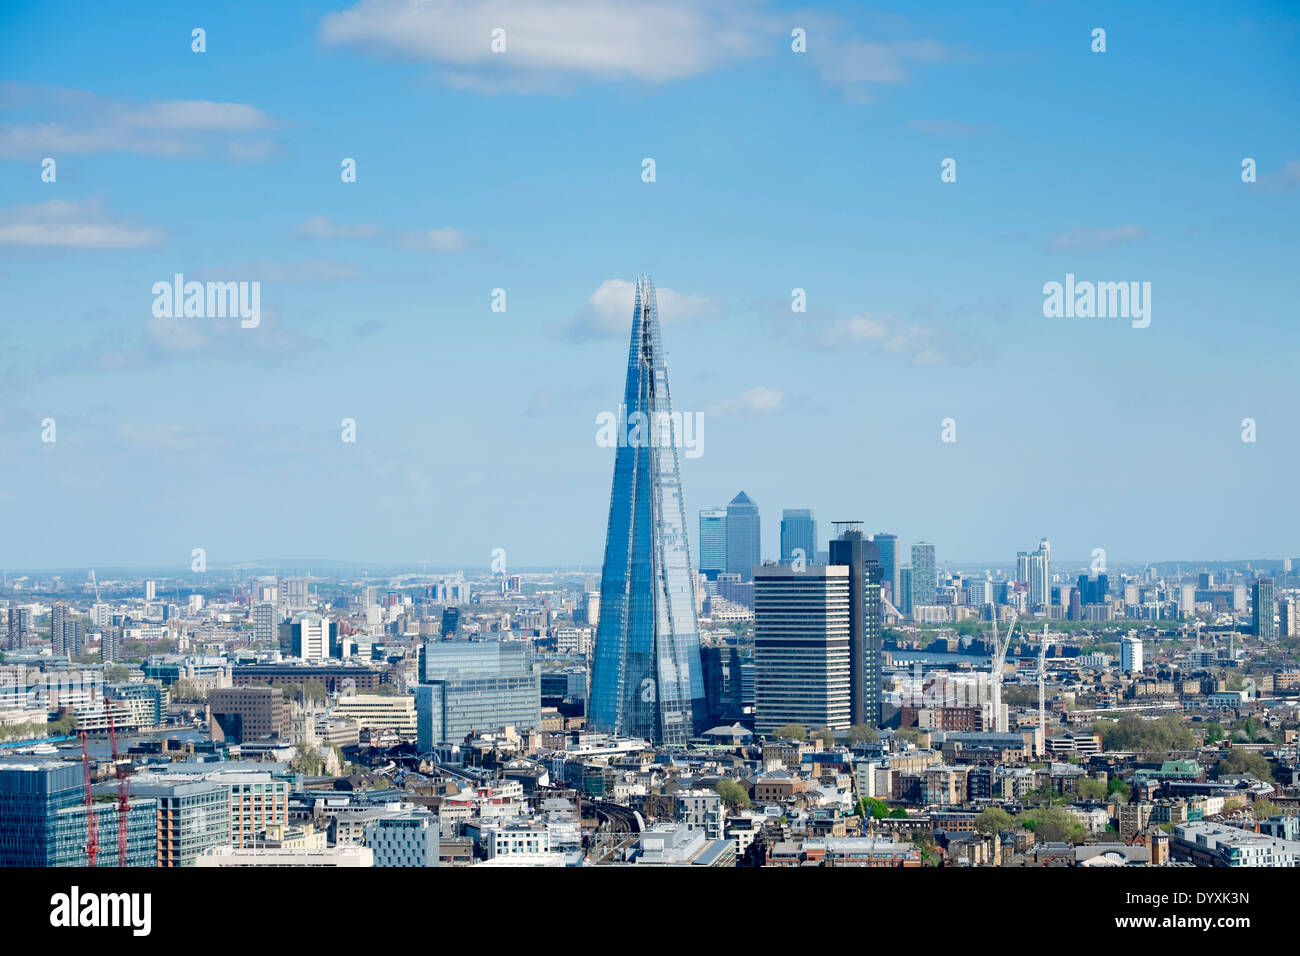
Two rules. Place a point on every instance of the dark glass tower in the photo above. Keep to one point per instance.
(743, 537)
(1263, 609)
(713, 542)
(889, 566)
(798, 530)
(646, 679)
(865, 676)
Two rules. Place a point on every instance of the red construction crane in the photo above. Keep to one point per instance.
(119, 767)
(92, 831)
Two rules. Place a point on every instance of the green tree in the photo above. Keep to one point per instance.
(290, 690)
(898, 813)
(913, 735)
(307, 761)
(315, 690)
(792, 731)
(1244, 761)
(1014, 695)
(1263, 809)
(994, 820)
(862, 733)
(1146, 736)
(732, 793)
(1213, 732)
(1090, 788)
(1053, 825)
(1119, 788)
(826, 736)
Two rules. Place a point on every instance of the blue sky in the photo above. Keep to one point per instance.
(522, 171)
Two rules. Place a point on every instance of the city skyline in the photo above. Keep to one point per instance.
(924, 298)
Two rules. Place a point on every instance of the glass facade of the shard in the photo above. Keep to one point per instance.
(646, 679)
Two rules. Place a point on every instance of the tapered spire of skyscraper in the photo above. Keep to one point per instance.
(646, 677)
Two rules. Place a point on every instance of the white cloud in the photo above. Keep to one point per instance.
(609, 309)
(611, 40)
(856, 65)
(1088, 239)
(195, 115)
(435, 240)
(75, 121)
(756, 401)
(254, 151)
(918, 344)
(860, 329)
(80, 225)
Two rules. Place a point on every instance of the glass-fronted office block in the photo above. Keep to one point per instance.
(447, 711)
(43, 820)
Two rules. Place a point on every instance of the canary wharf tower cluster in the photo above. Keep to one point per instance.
(646, 678)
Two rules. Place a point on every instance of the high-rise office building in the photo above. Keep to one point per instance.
(904, 602)
(450, 621)
(1263, 609)
(591, 608)
(1130, 655)
(245, 714)
(1093, 590)
(798, 531)
(744, 550)
(192, 816)
(67, 632)
(801, 648)
(110, 644)
(862, 558)
(887, 544)
(925, 576)
(713, 542)
(1035, 570)
(43, 820)
(646, 676)
(468, 686)
(311, 637)
(1289, 612)
(979, 592)
(723, 689)
(58, 621)
(293, 594)
(20, 627)
(264, 622)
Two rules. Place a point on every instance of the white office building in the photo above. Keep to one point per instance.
(409, 838)
(1130, 655)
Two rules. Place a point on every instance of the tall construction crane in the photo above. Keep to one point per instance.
(123, 802)
(999, 661)
(1042, 697)
(92, 830)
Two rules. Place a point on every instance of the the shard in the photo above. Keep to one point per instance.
(646, 679)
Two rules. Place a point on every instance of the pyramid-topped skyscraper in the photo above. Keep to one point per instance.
(646, 679)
